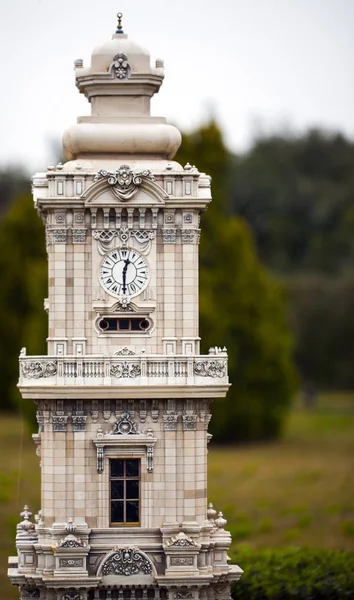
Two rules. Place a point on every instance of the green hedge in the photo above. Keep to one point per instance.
(294, 574)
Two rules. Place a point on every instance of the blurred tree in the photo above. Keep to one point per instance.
(23, 268)
(296, 193)
(13, 181)
(240, 306)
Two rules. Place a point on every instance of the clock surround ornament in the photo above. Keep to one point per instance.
(124, 272)
(124, 182)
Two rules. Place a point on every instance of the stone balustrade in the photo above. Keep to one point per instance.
(143, 370)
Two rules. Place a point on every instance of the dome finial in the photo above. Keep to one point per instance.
(119, 26)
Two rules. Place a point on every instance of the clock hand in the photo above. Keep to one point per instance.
(124, 274)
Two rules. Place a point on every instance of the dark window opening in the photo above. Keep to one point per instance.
(125, 491)
(116, 324)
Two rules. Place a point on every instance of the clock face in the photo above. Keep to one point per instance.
(124, 272)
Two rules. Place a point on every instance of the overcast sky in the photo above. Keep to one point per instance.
(252, 63)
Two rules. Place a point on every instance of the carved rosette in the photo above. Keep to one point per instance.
(124, 182)
(127, 561)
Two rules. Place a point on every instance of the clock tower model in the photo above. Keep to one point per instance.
(123, 394)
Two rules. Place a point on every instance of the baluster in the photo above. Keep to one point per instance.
(132, 594)
(145, 594)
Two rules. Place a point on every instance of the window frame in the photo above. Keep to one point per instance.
(124, 478)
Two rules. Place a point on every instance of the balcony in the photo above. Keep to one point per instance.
(124, 376)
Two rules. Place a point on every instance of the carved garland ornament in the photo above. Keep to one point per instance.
(213, 368)
(36, 369)
(124, 182)
(127, 561)
(181, 540)
(125, 369)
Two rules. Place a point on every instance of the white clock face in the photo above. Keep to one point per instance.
(124, 272)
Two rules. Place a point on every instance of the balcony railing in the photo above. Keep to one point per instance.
(155, 370)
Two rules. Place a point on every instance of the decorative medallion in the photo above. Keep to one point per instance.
(121, 66)
(124, 182)
(127, 561)
(125, 426)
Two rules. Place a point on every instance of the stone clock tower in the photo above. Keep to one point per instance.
(123, 394)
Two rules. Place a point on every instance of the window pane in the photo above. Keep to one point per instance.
(112, 324)
(132, 468)
(117, 513)
(136, 324)
(124, 323)
(117, 468)
(132, 489)
(117, 490)
(132, 512)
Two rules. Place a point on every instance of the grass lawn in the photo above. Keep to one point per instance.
(296, 492)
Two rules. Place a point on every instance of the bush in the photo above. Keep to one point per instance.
(295, 574)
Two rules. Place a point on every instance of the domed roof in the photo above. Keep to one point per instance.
(120, 47)
(103, 56)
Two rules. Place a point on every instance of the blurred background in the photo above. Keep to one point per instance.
(263, 92)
